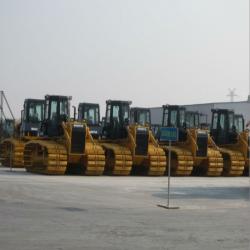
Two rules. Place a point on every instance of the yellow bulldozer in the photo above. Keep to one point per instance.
(227, 131)
(65, 145)
(212, 165)
(243, 140)
(194, 152)
(12, 148)
(129, 146)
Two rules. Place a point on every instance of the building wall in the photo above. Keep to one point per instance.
(239, 108)
(156, 115)
(205, 110)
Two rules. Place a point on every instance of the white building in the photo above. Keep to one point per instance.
(242, 107)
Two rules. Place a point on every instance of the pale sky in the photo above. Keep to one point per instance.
(151, 52)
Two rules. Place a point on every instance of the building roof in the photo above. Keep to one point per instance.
(210, 103)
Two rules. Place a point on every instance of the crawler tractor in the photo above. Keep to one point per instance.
(194, 151)
(227, 131)
(129, 146)
(213, 164)
(65, 144)
(12, 148)
(243, 140)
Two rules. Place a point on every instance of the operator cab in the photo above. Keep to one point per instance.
(90, 112)
(116, 120)
(141, 116)
(7, 127)
(57, 110)
(31, 117)
(223, 129)
(174, 116)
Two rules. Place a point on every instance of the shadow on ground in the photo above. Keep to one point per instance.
(227, 193)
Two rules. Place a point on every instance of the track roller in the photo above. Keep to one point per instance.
(211, 166)
(94, 161)
(11, 153)
(45, 157)
(181, 161)
(233, 162)
(157, 161)
(118, 159)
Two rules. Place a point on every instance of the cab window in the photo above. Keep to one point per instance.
(182, 117)
(215, 121)
(165, 118)
(53, 110)
(108, 114)
(143, 117)
(35, 112)
(188, 120)
(125, 113)
(173, 118)
(91, 115)
(115, 112)
(196, 122)
(222, 121)
(239, 124)
(63, 107)
(231, 121)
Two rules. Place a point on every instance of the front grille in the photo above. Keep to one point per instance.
(78, 139)
(31, 133)
(202, 142)
(141, 141)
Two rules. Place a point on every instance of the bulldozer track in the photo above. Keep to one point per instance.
(11, 153)
(214, 163)
(181, 161)
(157, 161)
(94, 161)
(118, 159)
(45, 157)
(233, 162)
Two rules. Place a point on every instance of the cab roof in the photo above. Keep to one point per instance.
(118, 102)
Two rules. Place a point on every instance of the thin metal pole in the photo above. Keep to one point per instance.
(169, 173)
(8, 106)
(11, 152)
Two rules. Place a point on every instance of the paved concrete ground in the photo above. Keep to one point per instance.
(80, 212)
